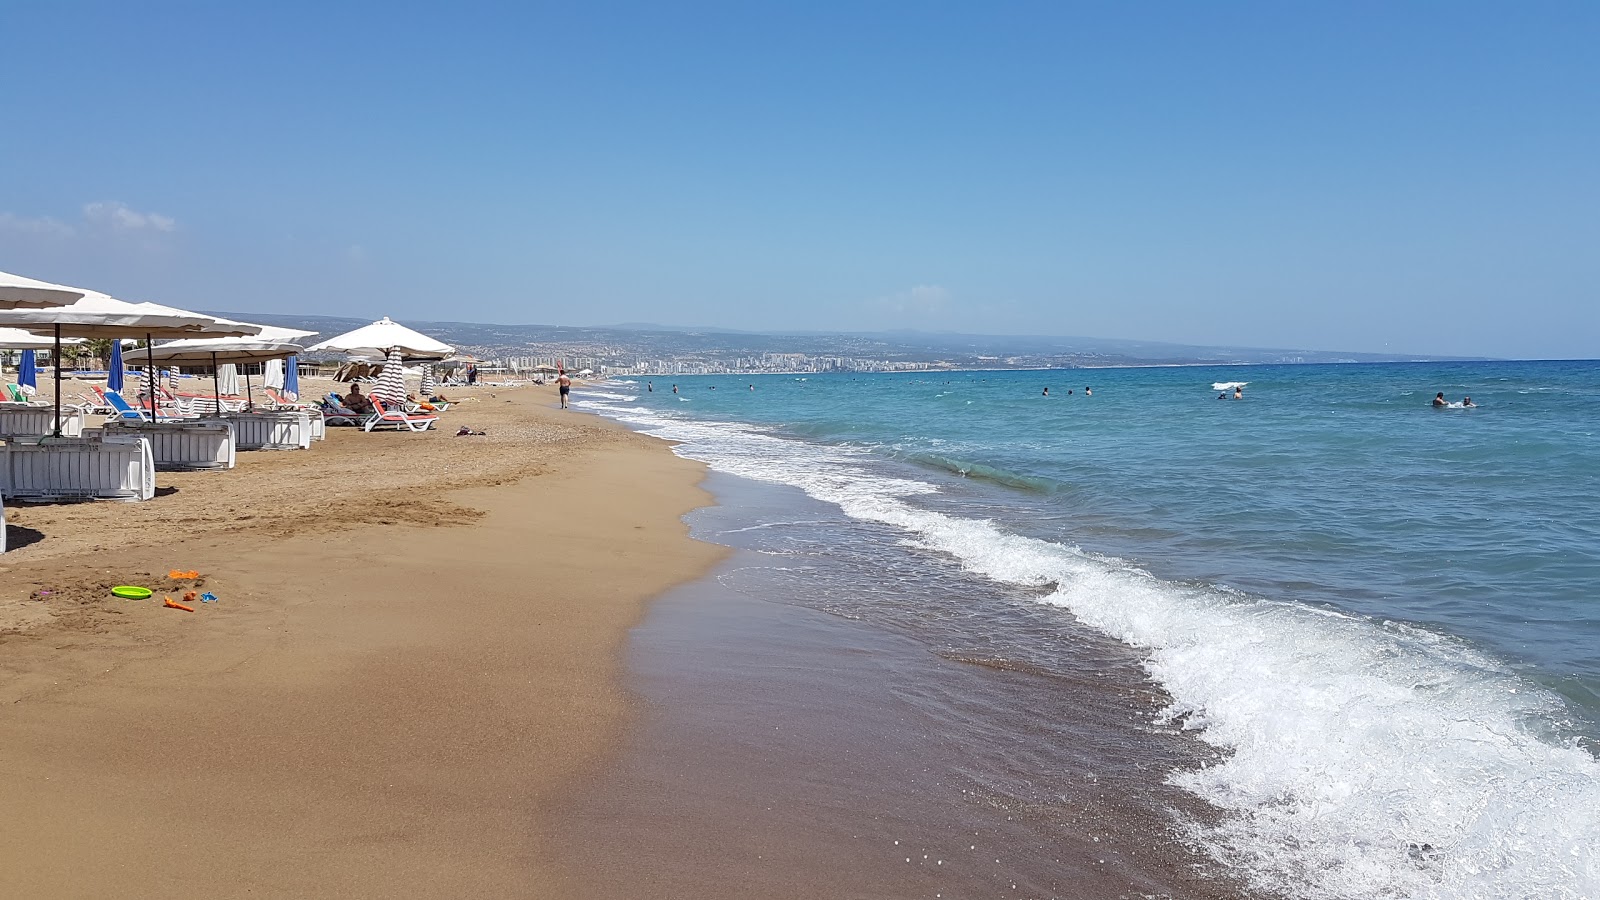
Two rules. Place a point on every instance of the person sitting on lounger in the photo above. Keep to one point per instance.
(357, 401)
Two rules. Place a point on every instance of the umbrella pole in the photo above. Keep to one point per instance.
(216, 387)
(249, 398)
(150, 367)
(57, 360)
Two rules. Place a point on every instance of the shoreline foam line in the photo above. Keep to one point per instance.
(1364, 758)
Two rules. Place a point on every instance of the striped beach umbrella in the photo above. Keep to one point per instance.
(429, 386)
(115, 378)
(392, 381)
(28, 373)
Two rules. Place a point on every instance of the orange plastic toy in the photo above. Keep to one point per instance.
(177, 574)
(173, 604)
(190, 596)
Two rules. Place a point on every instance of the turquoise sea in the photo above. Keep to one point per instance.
(1382, 616)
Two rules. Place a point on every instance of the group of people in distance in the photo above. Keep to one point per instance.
(1440, 403)
(1086, 392)
(1238, 393)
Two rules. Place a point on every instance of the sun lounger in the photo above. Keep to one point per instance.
(385, 416)
(129, 413)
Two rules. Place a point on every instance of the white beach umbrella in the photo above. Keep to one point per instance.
(17, 339)
(391, 386)
(96, 315)
(20, 292)
(382, 336)
(230, 350)
(272, 373)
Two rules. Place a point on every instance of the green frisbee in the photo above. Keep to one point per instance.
(130, 592)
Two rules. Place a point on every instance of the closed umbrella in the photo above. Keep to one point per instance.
(115, 375)
(272, 374)
(291, 377)
(391, 385)
(428, 384)
(28, 374)
(228, 379)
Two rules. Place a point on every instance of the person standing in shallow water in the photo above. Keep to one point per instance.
(1088, 393)
(564, 384)
(1238, 392)
(1047, 392)
(1438, 399)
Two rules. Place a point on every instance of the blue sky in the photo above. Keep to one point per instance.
(1411, 177)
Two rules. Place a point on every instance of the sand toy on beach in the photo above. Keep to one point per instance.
(173, 604)
(131, 592)
(180, 575)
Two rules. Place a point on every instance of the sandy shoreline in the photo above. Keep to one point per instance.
(377, 706)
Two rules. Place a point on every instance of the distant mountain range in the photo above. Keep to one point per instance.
(623, 345)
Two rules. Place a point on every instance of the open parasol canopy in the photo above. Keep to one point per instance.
(381, 337)
(21, 292)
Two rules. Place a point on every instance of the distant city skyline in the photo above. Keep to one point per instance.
(1352, 177)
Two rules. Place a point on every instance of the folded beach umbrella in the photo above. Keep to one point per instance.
(18, 292)
(291, 377)
(428, 384)
(391, 384)
(28, 374)
(226, 377)
(114, 377)
(272, 374)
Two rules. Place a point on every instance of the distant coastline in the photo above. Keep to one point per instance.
(666, 351)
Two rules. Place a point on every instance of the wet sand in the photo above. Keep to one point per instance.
(416, 647)
(785, 751)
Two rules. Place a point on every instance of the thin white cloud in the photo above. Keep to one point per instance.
(43, 225)
(922, 300)
(120, 217)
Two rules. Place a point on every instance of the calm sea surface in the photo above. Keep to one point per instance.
(1383, 616)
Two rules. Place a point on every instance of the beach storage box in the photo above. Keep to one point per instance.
(17, 420)
(202, 444)
(279, 429)
(111, 465)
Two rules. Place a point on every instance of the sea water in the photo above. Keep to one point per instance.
(1381, 615)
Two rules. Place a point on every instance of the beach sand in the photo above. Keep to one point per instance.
(416, 647)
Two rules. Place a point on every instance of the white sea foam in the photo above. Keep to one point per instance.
(1227, 385)
(1362, 759)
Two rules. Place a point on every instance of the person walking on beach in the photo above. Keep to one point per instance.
(564, 384)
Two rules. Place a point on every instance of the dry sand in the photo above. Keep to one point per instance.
(416, 649)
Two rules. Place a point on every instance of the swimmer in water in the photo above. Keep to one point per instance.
(1088, 393)
(1047, 392)
(1222, 396)
(1439, 401)
(1238, 393)
(650, 386)
(1466, 403)
(674, 389)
